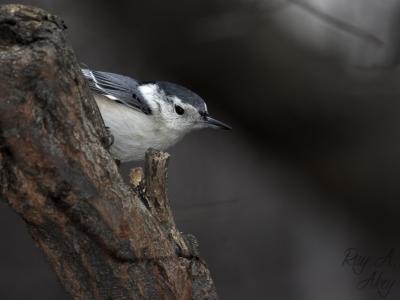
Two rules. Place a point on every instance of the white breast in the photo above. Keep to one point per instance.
(134, 132)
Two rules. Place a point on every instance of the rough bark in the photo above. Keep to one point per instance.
(103, 238)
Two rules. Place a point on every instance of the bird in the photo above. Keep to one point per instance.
(146, 114)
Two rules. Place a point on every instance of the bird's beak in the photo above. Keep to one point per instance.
(217, 124)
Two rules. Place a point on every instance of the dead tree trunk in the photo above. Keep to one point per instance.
(104, 239)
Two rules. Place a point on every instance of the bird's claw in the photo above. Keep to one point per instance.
(108, 140)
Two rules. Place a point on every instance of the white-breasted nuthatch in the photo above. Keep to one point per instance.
(142, 115)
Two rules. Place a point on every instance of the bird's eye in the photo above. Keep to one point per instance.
(179, 110)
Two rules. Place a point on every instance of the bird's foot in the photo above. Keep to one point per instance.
(108, 140)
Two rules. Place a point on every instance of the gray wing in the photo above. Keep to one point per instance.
(119, 88)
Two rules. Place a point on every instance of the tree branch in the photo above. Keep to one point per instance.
(337, 23)
(104, 239)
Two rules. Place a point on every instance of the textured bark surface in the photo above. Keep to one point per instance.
(104, 239)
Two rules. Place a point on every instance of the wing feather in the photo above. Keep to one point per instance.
(119, 88)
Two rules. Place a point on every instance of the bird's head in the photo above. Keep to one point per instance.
(178, 107)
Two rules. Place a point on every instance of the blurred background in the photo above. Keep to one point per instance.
(312, 167)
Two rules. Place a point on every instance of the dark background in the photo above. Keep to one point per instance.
(312, 166)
